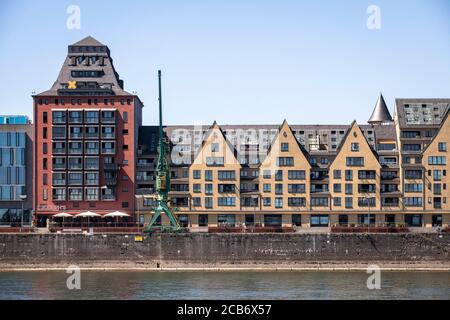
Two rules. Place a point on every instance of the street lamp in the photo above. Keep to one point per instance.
(23, 197)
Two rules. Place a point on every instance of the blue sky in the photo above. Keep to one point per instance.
(236, 61)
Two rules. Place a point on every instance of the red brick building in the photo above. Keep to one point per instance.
(86, 130)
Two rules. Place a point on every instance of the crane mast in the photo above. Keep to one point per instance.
(162, 179)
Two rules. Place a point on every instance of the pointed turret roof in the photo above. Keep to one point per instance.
(380, 113)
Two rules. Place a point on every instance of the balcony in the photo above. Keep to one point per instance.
(111, 181)
(145, 166)
(58, 166)
(108, 150)
(110, 167)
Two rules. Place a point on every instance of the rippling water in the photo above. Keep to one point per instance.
(224, 285)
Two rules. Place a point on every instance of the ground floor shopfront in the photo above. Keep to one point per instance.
(304, 220)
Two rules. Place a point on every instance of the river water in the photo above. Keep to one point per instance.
(224, 285)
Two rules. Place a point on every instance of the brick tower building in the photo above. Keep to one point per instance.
(86, 130)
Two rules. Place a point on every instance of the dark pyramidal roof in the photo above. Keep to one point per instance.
(90, 65)
(380, 113)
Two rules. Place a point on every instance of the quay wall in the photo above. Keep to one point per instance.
(223, 248)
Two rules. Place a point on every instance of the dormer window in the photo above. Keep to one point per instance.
(80, 59)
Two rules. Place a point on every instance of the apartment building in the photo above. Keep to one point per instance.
(86, 131)
(16, 177)
(387, 172)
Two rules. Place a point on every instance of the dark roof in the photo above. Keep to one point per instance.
(380, 113)
(107, 81)
(420, 112)
(88, 41)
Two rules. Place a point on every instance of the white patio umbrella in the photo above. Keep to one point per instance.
(116, 214)
(62, 215)
(88, 214)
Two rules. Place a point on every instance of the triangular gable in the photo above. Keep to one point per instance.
(354, 127)
(285, 128)
(227, 150)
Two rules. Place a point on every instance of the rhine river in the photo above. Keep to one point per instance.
(224, 285)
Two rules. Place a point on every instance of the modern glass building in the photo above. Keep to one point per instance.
(15, 174)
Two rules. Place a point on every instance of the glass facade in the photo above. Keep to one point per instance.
(13, 178)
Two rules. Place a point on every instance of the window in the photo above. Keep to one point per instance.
(197, 174)
(227, 175)
(355, 161)
(209, 188)
(267, 202)
(442, 146)
(296, 175)
(226, 220)
(285, 161)
(91, 116)
(296, 202)
(214, 147)
(413, 187)
(75, 163)
(75, 178)
(337, 174)
(348, 202)
(92, 194)
(413, 174)
(272, 220)
(296, 188)
(75, 194)
(437, 161)
(226, 201)
(278, 188)
(319, 202)
(58, 163)
(202, 220)
(278, 175)
(348, 188)
(366, 174)
(355, 146)
(365, 202)
(337, 188)
(91, 163)
(58, 179)
(59, 117)
(214, 161)
(59, 194)
(284, 147)
(348, 175)
(278, 202)
(266, 174)
(319, 220)
(125, 116)
(44, 117)
(208, 175)
(266, 187)
(437, 175)
(225, 188)
(92, 178)
(337, 202)
(413, 201)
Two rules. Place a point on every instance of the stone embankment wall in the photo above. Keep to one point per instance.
(224, 248)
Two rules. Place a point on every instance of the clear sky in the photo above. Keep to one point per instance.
(237, 61)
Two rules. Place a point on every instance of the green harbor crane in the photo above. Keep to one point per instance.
(162, 181)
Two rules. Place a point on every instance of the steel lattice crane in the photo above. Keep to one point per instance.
(162, 180)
